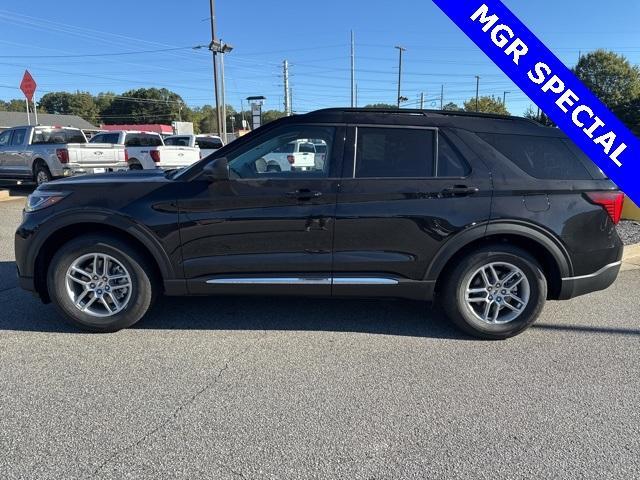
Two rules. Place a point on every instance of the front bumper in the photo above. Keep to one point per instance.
(594, 282)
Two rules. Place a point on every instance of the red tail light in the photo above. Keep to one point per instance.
(63, 155)
(612, 202)
(126, 155)
(155, 155)
(291, 159)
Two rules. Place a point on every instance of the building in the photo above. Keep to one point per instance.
(16, 119)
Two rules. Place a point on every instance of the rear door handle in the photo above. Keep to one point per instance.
(459, 190)
(304, 194)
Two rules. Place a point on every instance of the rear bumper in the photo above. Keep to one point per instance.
(594, 282)
(72, 169)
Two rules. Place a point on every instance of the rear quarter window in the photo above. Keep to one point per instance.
(546, 158)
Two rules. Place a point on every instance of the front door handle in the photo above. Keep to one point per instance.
(304, 194)
(459, 191)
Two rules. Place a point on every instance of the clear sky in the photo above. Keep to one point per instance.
(62, 44)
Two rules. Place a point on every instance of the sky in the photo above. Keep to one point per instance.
(121, 45)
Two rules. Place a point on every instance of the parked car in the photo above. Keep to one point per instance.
(207, 144)
(297, 155)
(40, 154)
(488, 215)
(146, 150)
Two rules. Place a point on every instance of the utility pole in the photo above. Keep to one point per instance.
(353, 71)
(477, 93)
(400, 51)
(287, 105)
(212, 11)
(504, 99)
(223, 96)
(356, 95)
(442, 98)
(421, 100)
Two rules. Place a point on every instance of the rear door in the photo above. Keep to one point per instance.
(405, 192)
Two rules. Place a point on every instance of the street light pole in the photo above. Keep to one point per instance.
(212, 10)
(477, 93)
(400, 51)
(504, 99)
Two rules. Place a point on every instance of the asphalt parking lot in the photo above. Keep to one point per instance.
(233, 388)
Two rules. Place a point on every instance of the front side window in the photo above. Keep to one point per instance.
(395, 152)
(282, 154)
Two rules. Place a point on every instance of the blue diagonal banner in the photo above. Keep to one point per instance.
(552, 86)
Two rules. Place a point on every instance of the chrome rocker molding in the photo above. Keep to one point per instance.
(304, 281)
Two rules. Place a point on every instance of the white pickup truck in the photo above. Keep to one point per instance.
(146, 150)
(298, 155)
(40, 154)
(206, 143)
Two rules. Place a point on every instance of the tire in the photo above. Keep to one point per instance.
(134, 165)
(98, 316)
(528, 283)
(41, 173)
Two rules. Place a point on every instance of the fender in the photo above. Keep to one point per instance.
(520, 228)
(110, 219)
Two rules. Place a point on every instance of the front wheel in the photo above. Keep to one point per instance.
(496, 292)
(100, 284)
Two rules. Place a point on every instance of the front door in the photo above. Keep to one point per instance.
(268, 228)
(406, 191)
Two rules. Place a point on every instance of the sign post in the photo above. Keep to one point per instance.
(28, 87)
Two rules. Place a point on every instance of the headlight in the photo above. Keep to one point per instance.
(43, 199)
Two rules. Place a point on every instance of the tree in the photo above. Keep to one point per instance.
(145, 105)
(64, 103)
(616, 82)
(381, 106)
(540, 117)
(15, 105)
(452, 107)
(271, 115)
(486, 104)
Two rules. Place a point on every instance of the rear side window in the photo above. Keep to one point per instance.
(395, 152)
(209, 143)
(142, 140)
(18, 137)
(546, 158)
(450, 160)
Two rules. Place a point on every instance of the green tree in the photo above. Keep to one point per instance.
(452, 107)
(540, 117)
(15, 105)
(615, 81)
(271, 115)
(65, 103)
(486, 104)
(381, 106)
(145, 105)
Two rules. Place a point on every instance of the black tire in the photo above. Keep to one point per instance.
(461, 313)
(143, 284)
(41, 173)
(135, 165)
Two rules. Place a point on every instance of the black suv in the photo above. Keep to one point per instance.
(489, 215)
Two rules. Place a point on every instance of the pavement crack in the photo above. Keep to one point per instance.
(173, 416)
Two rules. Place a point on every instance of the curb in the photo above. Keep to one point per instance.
(5, 196)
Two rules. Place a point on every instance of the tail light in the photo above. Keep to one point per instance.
(291, 159)
(126, 155)
(155, 155)
(612, 202)
(63, 155)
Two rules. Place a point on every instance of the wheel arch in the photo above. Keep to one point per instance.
(547, 250)
(63, 231)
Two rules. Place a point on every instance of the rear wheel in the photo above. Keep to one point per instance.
(41, 173)
(135, 165)
(101, 284)
(495, 293)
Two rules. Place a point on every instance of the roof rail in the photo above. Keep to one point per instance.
(415, 111)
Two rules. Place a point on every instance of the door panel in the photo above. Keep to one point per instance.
(259, 235)
(393, 227)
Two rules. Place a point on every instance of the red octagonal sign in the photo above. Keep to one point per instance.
(28, 85)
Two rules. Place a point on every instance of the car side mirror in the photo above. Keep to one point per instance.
(217, 170)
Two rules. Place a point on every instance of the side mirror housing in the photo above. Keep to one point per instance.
(217, 170)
